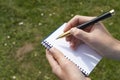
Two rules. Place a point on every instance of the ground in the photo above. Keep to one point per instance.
(25, 23)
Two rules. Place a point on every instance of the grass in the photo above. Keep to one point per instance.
(24, 24)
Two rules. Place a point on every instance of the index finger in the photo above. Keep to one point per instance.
(75, 21)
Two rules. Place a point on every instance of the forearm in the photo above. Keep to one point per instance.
(109, 48)
(116, 54)
(113, 50)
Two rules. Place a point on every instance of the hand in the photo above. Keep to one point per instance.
(62, 67)
(96, 36)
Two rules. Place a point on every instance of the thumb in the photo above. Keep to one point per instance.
(80, 34)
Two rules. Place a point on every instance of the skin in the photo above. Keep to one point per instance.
(96, 36)
(62, 67)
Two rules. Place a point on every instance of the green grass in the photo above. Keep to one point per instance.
(24, 24)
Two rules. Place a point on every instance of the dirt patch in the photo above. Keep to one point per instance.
(21, 52)
(26, 48)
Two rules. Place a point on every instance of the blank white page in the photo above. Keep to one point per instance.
(84, 57)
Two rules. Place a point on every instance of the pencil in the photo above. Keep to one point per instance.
(88, 23)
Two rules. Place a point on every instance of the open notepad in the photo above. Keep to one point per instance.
(84, 57)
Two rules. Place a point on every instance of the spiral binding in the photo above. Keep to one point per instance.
(82, 70)
(46, 44)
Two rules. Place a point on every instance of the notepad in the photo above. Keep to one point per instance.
(84, 57)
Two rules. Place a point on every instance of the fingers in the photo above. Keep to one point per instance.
(74, 42)
(80, 34)
(72, 23)
(68, 38)
(59, 57)
(56, 69)
(75, 21)
(51, 60)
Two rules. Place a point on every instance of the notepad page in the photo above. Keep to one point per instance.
(84, 57)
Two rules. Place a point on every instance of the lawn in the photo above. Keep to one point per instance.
(25, 23)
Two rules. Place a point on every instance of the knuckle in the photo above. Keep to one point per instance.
(77, 16)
